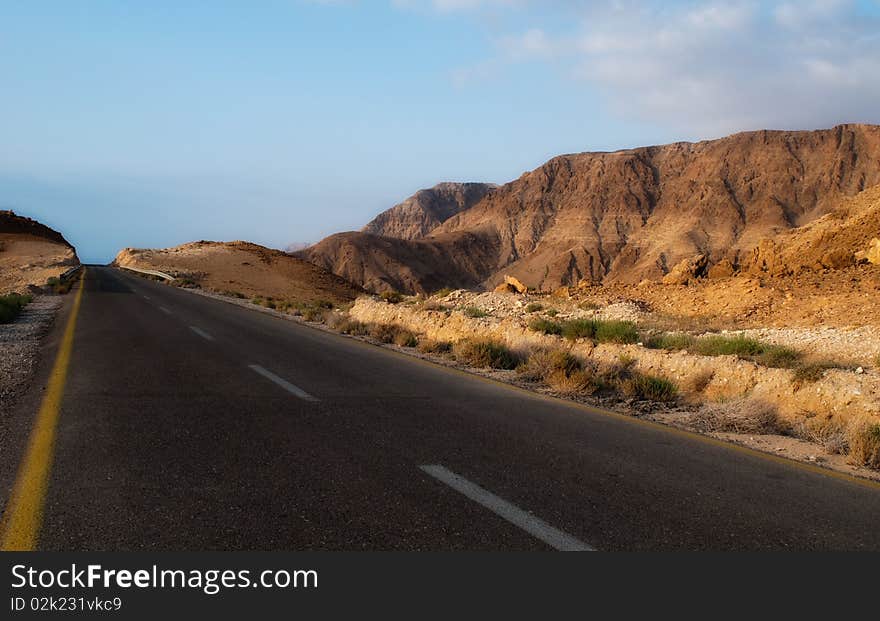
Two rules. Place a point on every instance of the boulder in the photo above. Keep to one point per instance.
(516, 284)
(723, 269)
(872, 254)
(687, 270)
(506, 288)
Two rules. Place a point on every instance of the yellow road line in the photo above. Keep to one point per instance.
(24, 512)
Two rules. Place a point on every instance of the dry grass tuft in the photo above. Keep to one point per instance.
(864, 443)
(429, 346)
(828, 431)
(740, 416)
(486, 353)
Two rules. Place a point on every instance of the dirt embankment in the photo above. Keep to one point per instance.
(242, 269)
(31, 253)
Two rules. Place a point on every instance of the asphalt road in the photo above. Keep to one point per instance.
(189, 423)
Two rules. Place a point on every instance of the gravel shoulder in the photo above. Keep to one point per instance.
(20, 351)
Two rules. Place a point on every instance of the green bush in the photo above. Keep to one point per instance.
(616, 332)
(11, 305)
(670, 341)
(474, 312)
(579, 329)
(650, 387)
(775, 356)
(545, 326)
(534, 307)
(442, 293)
(392, 297)
(486, 353)
(552, 312)
(588, 306)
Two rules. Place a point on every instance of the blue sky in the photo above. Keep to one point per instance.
(280, 121)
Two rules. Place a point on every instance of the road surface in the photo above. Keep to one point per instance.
(188, 423)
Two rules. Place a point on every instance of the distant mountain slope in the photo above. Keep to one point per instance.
(245, 268)
(628, 215)
(31, 253)
(427, 209)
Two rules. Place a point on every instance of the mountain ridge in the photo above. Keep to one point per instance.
(626, 215)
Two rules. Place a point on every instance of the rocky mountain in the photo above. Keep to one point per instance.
(427, 209)
(624, 216)
(31, 253)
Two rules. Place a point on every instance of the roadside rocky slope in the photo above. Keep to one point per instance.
(31, 253)
(243, 268)
(620, 217)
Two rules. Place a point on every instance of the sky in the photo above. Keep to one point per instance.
(149, 124)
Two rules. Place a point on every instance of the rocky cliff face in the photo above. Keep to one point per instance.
(623, 216)
(427, 209)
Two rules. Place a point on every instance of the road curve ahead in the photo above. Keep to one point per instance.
(187, 423)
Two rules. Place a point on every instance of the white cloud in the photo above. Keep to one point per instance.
(712, 67)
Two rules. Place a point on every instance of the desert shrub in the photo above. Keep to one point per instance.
(392, 297)
(442, 293)
(579, 381)
(579, 329)
(270, 304)
(810, 372)
(877, 360)
(431, 305)
(588, 306)
(429, 346)
(233, 294)
(828, 431)
(739, 416)
(11, 305)
(486, 353)
(616, 332)
(551, 312)
(405, 338)
(545, 326)
(313, 313)
(474, 312)
(383, 332)
(325, 304)
(718, 345)
(649, 387)
(864, 443)
(257, 300)
(534, 307)
(543, 362)
(185, 282)
(670, 341)
(778, 357)
(346, 325)
(52, 281)
(698, 381)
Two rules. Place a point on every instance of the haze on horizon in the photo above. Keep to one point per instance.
(152, 124)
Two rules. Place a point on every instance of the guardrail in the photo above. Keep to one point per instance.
(70, 273)
(156, 273)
